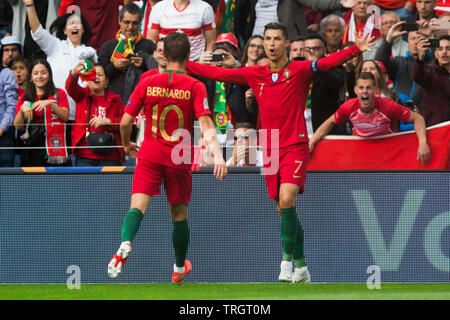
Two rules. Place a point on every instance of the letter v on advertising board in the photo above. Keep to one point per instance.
(388, 258)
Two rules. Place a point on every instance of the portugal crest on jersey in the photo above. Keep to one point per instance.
(287, 73)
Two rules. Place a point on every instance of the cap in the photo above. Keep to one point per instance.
(9, 40)
(228, 38)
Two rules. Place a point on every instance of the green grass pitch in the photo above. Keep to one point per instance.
(226, 291)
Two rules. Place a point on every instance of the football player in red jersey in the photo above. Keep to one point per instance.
(281, 90)
(171, 100)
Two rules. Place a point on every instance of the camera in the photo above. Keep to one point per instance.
(217, 57)
(434, 42)
(410, 105)
(410, 27)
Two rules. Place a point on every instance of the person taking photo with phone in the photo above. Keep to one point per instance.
(434, 79)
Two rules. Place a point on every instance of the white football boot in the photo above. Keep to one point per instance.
(301, 275)
(116, 264)
(286, 268)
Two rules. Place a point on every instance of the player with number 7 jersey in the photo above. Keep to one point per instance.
(281, 89)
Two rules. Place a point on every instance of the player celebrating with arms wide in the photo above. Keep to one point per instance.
(281, 89)
(171, 100)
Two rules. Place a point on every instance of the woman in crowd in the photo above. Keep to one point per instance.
(66, 49)
(98, 110)
(40, 118)
(382, 83)
(252, 50)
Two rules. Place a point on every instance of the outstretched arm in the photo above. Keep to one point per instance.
(322, 131)
(321, 5)
(237, 76)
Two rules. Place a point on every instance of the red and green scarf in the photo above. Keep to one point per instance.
(125, 46)
(220, 108)
(224, 18)
(55, 136)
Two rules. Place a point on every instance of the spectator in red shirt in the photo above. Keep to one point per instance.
(42, 106)
(372, 116)
(106, 110)
(361, 20)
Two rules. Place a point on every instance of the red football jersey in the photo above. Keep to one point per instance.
(378, 122)
(281, 95)
(148, 73)
(38, 116)
(171, 100)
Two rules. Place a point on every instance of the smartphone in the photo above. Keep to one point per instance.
(129, 56)
(410, 105)
(410, 27)
(216, 57)
(434, 42)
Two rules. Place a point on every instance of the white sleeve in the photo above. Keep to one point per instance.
(208, 17)
(47, 42)
(155, 17)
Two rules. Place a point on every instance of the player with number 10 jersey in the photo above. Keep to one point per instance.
(171, 101)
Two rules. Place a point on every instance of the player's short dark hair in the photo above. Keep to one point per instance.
(315, 36)
(131, 8)
(176, 47)
(366, 76)
(276, 26)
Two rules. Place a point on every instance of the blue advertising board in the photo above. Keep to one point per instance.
(396, 221)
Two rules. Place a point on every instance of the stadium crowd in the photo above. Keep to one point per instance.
(69, 67)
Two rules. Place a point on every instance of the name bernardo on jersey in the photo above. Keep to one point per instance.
(169, 93)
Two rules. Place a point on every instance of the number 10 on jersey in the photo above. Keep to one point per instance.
(160, 125)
